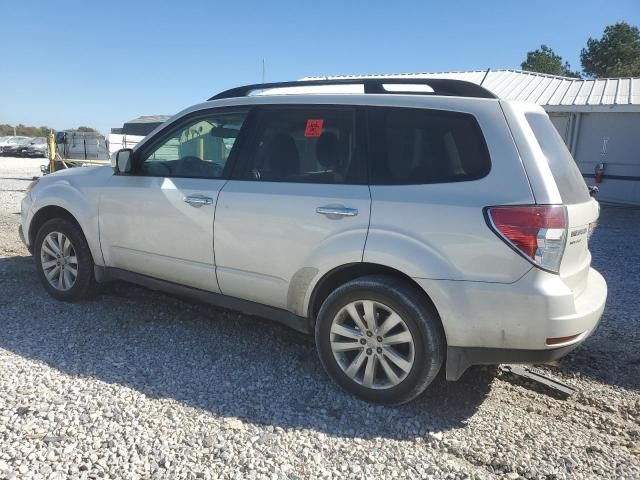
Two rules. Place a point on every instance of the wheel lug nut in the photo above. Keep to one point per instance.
(379, 350)
(369, 351)
(369, 334)
(363, 341)
(379, 339)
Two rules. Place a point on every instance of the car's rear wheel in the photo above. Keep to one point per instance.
(63, 260)
(380, 339)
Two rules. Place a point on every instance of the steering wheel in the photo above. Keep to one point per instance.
(193, 166)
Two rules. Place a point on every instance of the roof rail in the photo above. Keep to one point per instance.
(440, 86)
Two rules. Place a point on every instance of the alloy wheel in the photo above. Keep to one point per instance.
(59, 261)
(372, 344)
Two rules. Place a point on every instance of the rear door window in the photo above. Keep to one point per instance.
(563, 167)
(302, 144)
(420, 146)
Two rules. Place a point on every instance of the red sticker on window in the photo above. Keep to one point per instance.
(314, 128)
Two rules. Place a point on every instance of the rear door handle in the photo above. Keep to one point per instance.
(198, 200)
(339, 211)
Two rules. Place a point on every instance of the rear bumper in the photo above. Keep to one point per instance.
(511, 323)
(461, 358)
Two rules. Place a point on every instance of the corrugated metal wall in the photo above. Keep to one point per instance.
(609, 138)
(612, 139)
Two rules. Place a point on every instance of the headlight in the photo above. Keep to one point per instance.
(32, 184)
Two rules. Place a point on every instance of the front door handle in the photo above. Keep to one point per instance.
(338, 211)
(198, 200)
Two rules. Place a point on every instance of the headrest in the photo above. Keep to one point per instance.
(282, 155)
(329, 151)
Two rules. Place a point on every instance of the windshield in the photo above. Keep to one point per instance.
(563, 167)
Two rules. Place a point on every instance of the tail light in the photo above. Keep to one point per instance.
(538, 232)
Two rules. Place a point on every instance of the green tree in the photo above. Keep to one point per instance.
(545, 60)
(86, 129)
(616, 54)
(6, 130)
(23, 130)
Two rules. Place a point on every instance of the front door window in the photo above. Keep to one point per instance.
(198, 149)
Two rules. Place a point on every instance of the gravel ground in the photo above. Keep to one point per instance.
(137, 384)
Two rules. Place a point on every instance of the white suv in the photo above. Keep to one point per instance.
(409, 224)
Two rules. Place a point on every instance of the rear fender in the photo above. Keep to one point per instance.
(342, 249)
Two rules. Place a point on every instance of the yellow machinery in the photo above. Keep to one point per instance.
(55, 157)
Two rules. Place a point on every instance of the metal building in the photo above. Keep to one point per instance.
(599, 120)
(141, 126)
(134, 131)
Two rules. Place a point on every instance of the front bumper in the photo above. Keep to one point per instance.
(21, 235)
(26, 216)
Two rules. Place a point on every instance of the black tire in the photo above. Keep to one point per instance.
(420, 318)
(85, 284)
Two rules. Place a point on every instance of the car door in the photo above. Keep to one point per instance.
(297, 204)
(158, 221)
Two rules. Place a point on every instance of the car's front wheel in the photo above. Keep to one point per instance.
(380, 339)
(63, 260)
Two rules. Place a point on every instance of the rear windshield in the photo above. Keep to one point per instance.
(563, 167)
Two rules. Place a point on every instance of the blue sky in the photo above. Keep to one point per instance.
(65, 64)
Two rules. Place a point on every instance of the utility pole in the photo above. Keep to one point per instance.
(14, 132)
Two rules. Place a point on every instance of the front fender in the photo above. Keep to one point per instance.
(84, 208)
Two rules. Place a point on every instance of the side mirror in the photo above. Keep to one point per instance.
(121, 161)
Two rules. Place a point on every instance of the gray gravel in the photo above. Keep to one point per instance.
(137, 384)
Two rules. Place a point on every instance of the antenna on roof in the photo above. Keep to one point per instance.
(263, 70)
(485, 76)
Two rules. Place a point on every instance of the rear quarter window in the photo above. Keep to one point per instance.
(418, 146)
(563, 167)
